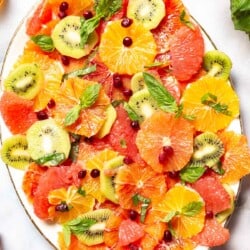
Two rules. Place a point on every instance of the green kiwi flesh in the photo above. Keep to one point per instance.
(67, 39)
(217, 64)
(143, 104)
(14, 152)
(46, 138)
(147, 12)
(94, 234)
(107, 184)
(26, 81)
(208, 149)
(137, 82)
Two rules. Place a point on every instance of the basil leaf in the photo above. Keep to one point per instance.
(66, 235)
(136, 199)
(90, 95)
(72, 115)
(131, 113)
(192, 208)
(107, 8)
(54, 159)
(185, 21)
(44, 42)
(80, 72)
(170, 216)
(79, 225)
(164, 99)
(192, 172)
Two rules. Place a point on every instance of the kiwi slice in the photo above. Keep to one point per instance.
(15, 153)
(26, 80)
(217, 64)
(147, 12)
(111, 116)
(137, 82)
(208, 148)
(107, 177)
(143, 104)
(67, 39)
(94, 234)
(48, 143)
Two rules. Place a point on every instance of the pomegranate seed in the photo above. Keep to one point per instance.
(65, 60)
(126, 22)
(135, 125)
(168, 150)
(51, 104)
(82, 173)
(87, 14)
(127, 160)
(133, 247)
(167, 236)
(63, 6)
(173, 175)
(127, 92)
(63, 207)
(62, 14)
(133, 214)
(117, 81)
(162, 157)
(95, 173)
(127, 41)
(209, 215)
(42, 115)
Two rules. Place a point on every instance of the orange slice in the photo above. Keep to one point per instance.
(90, 119)
(134, 180)
(52, 72)
(175, 200)
(127, 59)
(155, 134)
(236, 161)
(208, 118)
(76, 202)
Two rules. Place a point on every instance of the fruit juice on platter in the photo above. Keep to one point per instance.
(121, 126)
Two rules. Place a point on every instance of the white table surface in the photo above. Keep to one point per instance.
(17, 231)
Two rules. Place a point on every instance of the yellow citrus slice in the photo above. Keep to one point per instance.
(178, 206)
(90, 119)
(76, 203)
(212, 102)
(52, 72)
(127, 59)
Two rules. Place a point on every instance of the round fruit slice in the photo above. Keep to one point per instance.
(236, 160)
(134, 180)
(212, 102)
(148, 13)
(165, 148)
(67, 38)
(126, 50)
(17, 112)
(184, 208)
(186, 51)
(67, 204)
(14, 152)
(90, 119)
(48, 143)
(26, 80)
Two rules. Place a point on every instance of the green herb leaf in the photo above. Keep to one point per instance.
(136, 199)
(185, 21)
(170, 216)
(211, 101)
(107, 8)
(192, 172)
(131, 113)
(72, 115)
(192, 208)
(90, 95)
(163, 98)
(78, 226)
(80, 72)
(116, 103)
(54, 159)
(81, 191)
(66, 235)
(44, 42)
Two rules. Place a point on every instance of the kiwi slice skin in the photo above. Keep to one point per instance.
(217, 64)
(143, 104)
(107, 184)
(66, 38)
(137, 82)
(14, 152)
(208, 149)
(94, 235)
(147, 12)
(45, 138)
(26, 81)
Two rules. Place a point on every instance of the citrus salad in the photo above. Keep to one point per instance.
(121, 123)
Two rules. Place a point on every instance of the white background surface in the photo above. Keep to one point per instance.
(16, 230)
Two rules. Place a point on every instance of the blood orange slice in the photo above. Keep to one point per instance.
(212, 102)
(154, 135)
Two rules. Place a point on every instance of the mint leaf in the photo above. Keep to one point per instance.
(192, 208)
(185, 21)
(72, 115)
(131, 113)
(44, 42)
(90, 95)
(164, 99)
(192, 172)
(170, 216)
(54, 159)
(80, 72)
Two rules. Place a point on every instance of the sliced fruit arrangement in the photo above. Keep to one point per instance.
(121, 123)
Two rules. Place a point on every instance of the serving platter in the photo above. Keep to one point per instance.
(14, 51)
